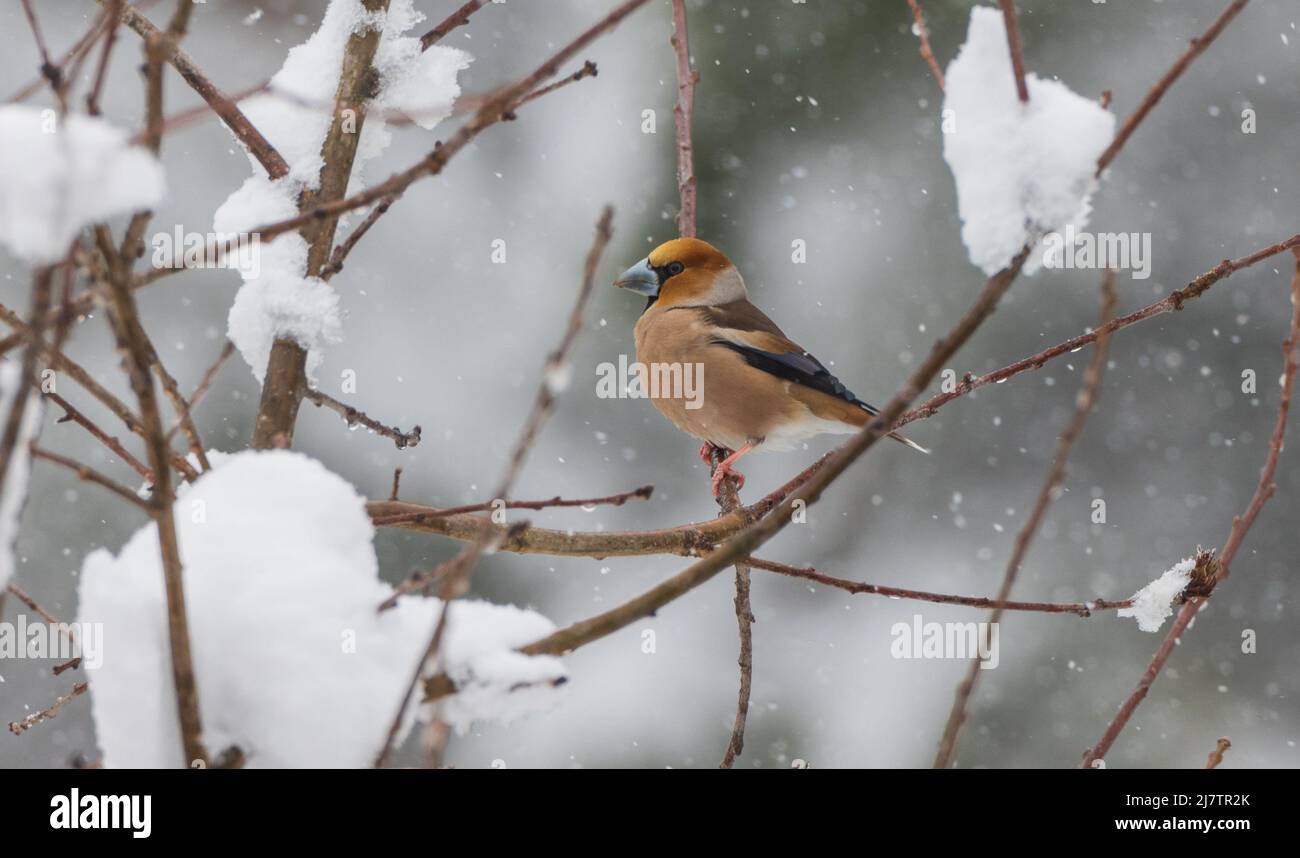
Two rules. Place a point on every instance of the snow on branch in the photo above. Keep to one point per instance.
(1023, 168)
(281, 582)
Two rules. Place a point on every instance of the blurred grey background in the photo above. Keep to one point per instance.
(818, 121)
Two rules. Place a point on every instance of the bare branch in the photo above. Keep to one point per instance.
(459, 18)
(1082, 609)
(137, 356)
(257, 145)
(20, 727)
(1240, 526)
(456, 573)
(90, 475)
(642, 493)
(1087, 397)
(354, 417)
(683, 111)
(1013, 42)
(1216, 756)
(204, 384)
(345, 247)
(926, 53)
(1197, 46)
(111, 442)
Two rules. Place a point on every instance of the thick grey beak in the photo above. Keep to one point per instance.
(640, 278)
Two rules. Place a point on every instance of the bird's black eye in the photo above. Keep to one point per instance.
(675, 268)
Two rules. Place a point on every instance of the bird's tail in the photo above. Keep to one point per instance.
(909, 442)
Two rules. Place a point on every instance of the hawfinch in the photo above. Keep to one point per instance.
(763, 391)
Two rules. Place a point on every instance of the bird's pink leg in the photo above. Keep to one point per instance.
(724, 470)
(706, 453)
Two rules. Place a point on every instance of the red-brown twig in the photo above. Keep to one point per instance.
(356, 417)
(258, 146)
(1216, 756)
(345, 247)
(459, 18)
(49, 70)
(921, 33)
(683, 112)
(455, 574)
(114, 16)
(1174, 301)
(494, 110)
(1240, 526)
(642, 493)
(20, 727)
(42, 285)
(72, 56)
(1088, 393)
(71, 414)
(1082, 609)
(205, 384)
(1197, 46)
(64, 628)
(138, 357)
(729, 504)
(1013, 42)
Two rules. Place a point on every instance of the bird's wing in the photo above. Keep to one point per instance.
(743, 328)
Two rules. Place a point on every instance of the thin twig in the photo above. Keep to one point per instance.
(642, 493)
(1082, 609)
(258, 146)
(72, 414)
(459, 18)
(42, 284)
(204, 384)
(354, 417)
(114, 15)
(1013, 42)
(729, 504)
(926, 53)
(1216, 756)
(74, 54)
(456, 572)
(137, 356)
(1087, 398)
(683, 112)
(1197, 46)
(20, 727)
(1240, 526)
(345, 247)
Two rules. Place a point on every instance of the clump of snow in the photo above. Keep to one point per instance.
(61, 174)
(1022, 170)
(1153, 604)
(13, 494)
(278, 299)
(294, 662)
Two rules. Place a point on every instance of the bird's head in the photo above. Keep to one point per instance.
(685, 272)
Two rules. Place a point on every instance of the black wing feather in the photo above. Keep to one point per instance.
(799, 367)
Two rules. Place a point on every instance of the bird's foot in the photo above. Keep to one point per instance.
(706, 452)
(723, 471)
